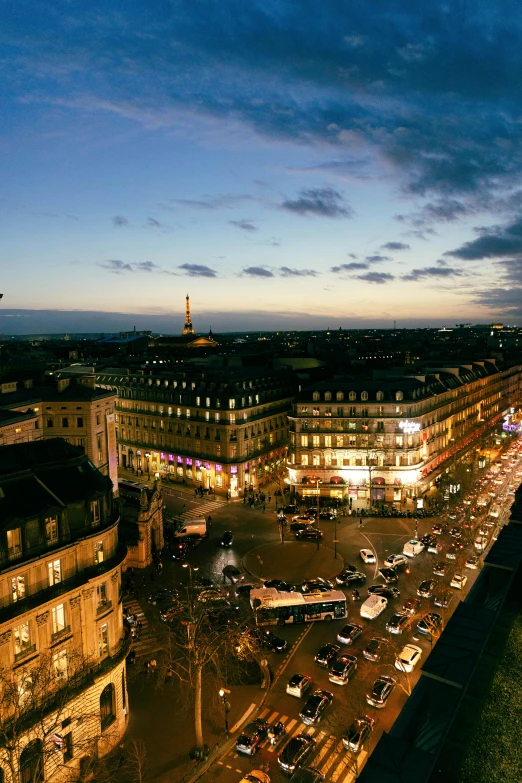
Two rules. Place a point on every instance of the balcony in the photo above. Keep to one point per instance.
(65, 631)
(25, 652)
(103, 607)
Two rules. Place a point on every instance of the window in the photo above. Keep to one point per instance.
(304, 459)
(99, 446)
(232, 418)
(54, 569)
(316, 396)
(339, 440)
(398, 396)
(65, 422)
(60, 664)
(352, 396)
(67, 747)
(316, 441)
(364, 413)
(380, 426)
(14, 543)
(101, 592)
(352, 440)
(380, 396)
(107, 715)
(79, 421)
(316, 459)
(103, 640)
(380, 410)
(22, 640)
(97, 418)
(340, 411)
(327, 441)
(231, 403)
(304, 441)
(352, 410)
(51, 530)
(198, 401)
(207, 402)
(58, 618)
(339, 396)
(399, 441)
(328, 396)
(364, 395)
(31, 763)
(17, 588)
(352, 425)
(95, 512)
(50, 422)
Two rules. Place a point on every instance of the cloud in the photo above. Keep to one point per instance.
(198, 270)
(216, 202)
(118, 220)
(321, 202)
(503, 301)
(153, 223)
(146, 266)
(116, 266)
(379, 278)
(257, 271)
(245, 225)
(496, 242)
(395, 246)
(376, 259)
(352, 267)
(286, 271)
(439, 272)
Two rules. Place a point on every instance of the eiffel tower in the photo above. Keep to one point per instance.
(188, 328)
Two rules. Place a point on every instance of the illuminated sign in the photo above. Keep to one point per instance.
(233, 468)
(409, 427)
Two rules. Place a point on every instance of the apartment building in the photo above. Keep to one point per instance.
(62, 648)
(72, 408)
(388, 439)
(225, 428)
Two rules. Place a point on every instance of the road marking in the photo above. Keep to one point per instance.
(228, 766)
(291, 725)
(328, 763)
(324, 750)
(290, 656)
(375, 553)
(264, 713)
(243, 718)
(272, 717)
(300, 728)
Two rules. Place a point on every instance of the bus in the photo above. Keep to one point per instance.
(274, 608)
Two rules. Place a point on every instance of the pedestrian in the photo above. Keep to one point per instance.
(361, 523)
(264, 508)
(209, 521)
(160, 567)
(228, 495)
(152, 665)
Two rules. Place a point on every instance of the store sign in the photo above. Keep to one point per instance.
(233, 469)
(409, 427)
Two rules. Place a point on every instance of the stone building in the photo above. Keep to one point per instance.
(372, 440)
(62, 647)
(141, 525)
(222, 428)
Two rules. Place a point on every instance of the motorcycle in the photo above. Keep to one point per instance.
(276, 732)
(355, 595)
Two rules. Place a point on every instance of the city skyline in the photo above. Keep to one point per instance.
(290, 170)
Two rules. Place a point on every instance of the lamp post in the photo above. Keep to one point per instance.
(226, 707)
(317, 514)
(147, 457)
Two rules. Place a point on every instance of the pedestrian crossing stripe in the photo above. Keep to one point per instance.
(201, 510)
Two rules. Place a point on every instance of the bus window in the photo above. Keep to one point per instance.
(339, 610)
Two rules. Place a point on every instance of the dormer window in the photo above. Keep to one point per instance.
(316, 396)
(398, 396)
(352, 396)
(339, 396)
(364, 395)
(328, 395)
(380, 396)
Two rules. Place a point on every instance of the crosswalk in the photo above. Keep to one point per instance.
(203, 509)
(146, 644)
(330, 757)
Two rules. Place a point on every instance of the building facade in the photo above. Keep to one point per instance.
(387, 440)
(62, 647)
(141, 525)
(225, 429)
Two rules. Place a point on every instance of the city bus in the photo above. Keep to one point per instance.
(271, 607)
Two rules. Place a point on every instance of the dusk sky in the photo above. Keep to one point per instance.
(288, 164)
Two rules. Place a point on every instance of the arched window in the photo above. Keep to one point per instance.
(364, 395)
(339, 396)
(316, 396)
(380, 396)
(351, 396)
(31, 763)
(107, 715)
(328, 395)
(2, 775)
(398, 395)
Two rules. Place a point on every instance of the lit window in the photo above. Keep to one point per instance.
(98, 552)
(58, 618)
(51, 529)
(22, 639)
(364, 395)
(231, 403)
(103, 640)
(95, 512)
(14, 543)
(18, 587)
(54, 569)
(352, 396)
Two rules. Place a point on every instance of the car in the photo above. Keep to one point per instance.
(279, 584)
(233, 573)
(244, 589)
(222, 612)
(434, 549)
(480, 544)
(411, 606)
(367, 556)
(309, 534)
(452, 553)
(425, 589)
(429, 539)
(313, 710)
(381, 691)
(375, 648)
(301, 525)
(412, 548)
(399, 622)
(438, 530)
(309, 585)
(302, 518)
(389, 575)
(179, 551)
(349, 633)
(350, 578)
(458, 581)
(295, 752)
(212, 594)
(358, 733)
(298, 684)
(430, 624)
(161, 596)
(408, 658)
(443, 599)
(343, 669)
(456, 532)
(171, 611)
(252, 736)
(394, 561)
(227, 538)
(472, 562)
(192, 539)
(329, 516)
(255, 776)
(386, 591)
(290, 508)
(440, 568)
(307, 775)
(326, 654)
(270, 639)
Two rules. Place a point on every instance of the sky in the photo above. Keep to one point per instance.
(288, 163)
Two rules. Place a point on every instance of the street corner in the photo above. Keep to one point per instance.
(292, 561)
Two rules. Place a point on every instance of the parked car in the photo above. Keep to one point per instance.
(171, 611)
(300, 524)
(399, 622)
(375, 648)
(389, 575)
(387, 591)
(430, 624)
(394, 561)
(350, 578)
(295, 752)
(381, 691)
(308, 534)
(291, 508)
(349, 633)
(298, 685)
(227, 538)
(328, 516)
(408, 658)
(251, 737)
(425, 589)
(279, 584)
(480, 544)
(326, 654)
(343, 669)
(440, 568)
(367, 556)
(358, 733)
(443, 599)
(458, 581)
(161, 596)
(314, 708)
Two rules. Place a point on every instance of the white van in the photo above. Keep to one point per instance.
(412, 548)
(189, 527)
(494, 511)
(373, 606)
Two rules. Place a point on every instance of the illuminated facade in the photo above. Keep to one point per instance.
(389, 439)
(61, 624)
(226, 429)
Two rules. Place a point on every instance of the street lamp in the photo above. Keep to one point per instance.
(318, 481)
(226, 707)
(191, 571)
